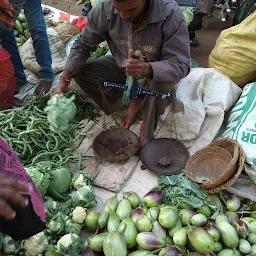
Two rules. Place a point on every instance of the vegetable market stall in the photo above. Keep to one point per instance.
(128, 211)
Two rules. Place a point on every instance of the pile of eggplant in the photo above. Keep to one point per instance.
(149, 227)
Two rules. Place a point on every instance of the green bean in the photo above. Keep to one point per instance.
(24, 149)
(27, 132)
(43, 154)
(8, 120)
(39, 145)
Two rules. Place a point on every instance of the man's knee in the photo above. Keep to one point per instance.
(161, 87)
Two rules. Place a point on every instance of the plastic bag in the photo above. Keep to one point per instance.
(7, 80)
(242, 123)
(235, 52)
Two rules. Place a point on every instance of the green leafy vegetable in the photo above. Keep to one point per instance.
(100, 51)
(41, 180)
(178, 188)
(61, 111)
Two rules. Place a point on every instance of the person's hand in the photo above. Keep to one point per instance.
(137, 67)
(10, 193)
(63, 84)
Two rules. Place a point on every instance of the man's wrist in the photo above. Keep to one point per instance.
(147, 71)
(65, 78)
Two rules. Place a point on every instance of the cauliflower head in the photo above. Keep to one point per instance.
(80, 182)
(79, 214)
(36, 244)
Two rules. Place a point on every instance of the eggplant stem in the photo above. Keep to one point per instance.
(97, 230)
(246, 212)
(156, 251)
(222, 198)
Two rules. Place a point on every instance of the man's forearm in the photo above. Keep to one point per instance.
(66, 76)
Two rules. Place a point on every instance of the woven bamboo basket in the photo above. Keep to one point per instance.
(233, 147)
(206, 166)
(232, 180)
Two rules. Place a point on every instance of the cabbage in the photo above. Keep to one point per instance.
(42, 180)
(188, 15)
(61, 112)
(60, 183)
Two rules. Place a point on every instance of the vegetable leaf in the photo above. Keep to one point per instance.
(201, 179)
(178, 188)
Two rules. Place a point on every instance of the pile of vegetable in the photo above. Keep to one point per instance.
(28, 132)
(100, 51)
(21, 32)
(66, 205)
(150, 227)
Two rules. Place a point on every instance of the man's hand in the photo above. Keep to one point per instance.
(137, 67)
(63, 84)
(10, 192)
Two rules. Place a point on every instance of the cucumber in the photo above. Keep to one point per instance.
(17, 39)
(18, 26)
(26, 34)
(24, 25)
(21, 17)
(16, 33)
(22, 39)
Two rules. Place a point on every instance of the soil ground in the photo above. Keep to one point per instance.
(207, 36)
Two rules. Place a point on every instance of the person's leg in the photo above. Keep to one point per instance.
(106, 68)
(8, 42)
(37, 29)
(153, 108)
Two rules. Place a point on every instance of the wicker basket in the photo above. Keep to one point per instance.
(232, 180)
(212, 163)
(233, 147)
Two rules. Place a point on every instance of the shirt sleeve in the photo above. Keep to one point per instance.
(175, 63)
(94, 33)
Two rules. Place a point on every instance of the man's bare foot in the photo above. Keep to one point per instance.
(143, 139)
(43, 86)
(133, 109)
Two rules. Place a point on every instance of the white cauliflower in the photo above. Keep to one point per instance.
(79, 215)
(69, 244)
(79, 182)
(35, 245)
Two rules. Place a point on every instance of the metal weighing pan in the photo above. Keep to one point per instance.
(116, 144)
(164, 156)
